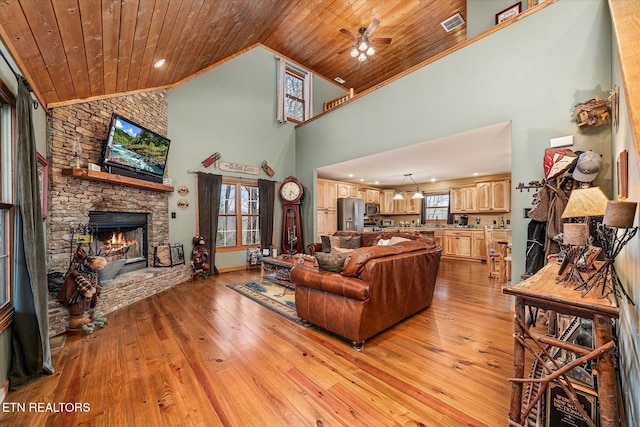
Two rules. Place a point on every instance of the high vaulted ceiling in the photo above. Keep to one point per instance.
(78, 49)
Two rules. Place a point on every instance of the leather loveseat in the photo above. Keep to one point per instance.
(378, 287)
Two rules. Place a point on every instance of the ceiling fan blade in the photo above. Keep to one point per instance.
(371, 28)
(348, 33)
(381, 40)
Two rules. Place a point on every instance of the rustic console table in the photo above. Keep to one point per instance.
(277, 269)
(542, 290)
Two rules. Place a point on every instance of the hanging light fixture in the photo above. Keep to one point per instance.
(363, 48)
(418, 194)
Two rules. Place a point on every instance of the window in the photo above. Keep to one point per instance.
(436, 206)
(7, 114)
(238, 221)
(294, 93)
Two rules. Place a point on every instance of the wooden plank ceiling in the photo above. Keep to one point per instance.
(77, 49)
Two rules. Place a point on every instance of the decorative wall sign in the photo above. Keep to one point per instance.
(183, 190)
(508, 13)
(183, 204)
(238, 168)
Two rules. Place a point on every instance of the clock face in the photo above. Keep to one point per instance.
(290, 191)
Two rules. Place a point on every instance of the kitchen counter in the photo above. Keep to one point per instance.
(430, 228)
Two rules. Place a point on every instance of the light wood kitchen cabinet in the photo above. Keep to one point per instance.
(327, 194)
(407, 205)
(438, 237)
(362, 194)
(327, 202)
(457, 243)
(493, 196)
(463, 199)
(372, 196)
(387, 205)
(347, 190)
(478, 246)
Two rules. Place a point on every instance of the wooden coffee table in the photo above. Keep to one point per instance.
(277, 269)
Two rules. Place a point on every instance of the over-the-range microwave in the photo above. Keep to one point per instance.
(371, 209)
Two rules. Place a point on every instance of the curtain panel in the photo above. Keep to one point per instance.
(209, 188)
(266, 196)
(30, 341)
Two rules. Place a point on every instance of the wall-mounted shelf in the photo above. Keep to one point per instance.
(92, 175)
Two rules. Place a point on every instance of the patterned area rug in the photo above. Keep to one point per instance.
(270, 295)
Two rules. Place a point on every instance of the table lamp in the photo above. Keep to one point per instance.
(613, 234)
(583, 203)
(575, 236)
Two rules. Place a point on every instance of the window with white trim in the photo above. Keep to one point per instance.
(238, 221)
(436, 206)
(294, 93)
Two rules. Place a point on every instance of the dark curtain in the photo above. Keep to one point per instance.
(266, 196)
(209, 187)
(30, 339)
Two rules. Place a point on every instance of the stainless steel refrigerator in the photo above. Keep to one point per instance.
(351, 214)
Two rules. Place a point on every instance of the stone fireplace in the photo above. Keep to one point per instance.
(128, 219)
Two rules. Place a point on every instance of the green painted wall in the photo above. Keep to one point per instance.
(628, 263)
(231, 110)
(481, 14)
(508, 75)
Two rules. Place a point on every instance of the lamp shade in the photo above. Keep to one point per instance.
(585, 202)
(575, 234)
(620, 214)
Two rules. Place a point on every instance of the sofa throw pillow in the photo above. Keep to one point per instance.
(350, 242)
(335, 241)
(333, 261)
(384, 242)
(397, 239)
(326, 244)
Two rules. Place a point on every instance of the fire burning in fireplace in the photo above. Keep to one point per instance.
(119, 247)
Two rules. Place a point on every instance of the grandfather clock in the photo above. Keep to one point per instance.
(291, 193)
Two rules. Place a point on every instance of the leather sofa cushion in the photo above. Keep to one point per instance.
(358, 258)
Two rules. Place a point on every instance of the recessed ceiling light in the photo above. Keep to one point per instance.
(339, 80)
(476, 174)
(350, 175)
(377, 182)
(433, 180)
(361, 179)
(159, 63)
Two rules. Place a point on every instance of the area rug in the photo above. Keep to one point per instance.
(272, 296)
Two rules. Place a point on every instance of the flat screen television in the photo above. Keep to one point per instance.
(135, 151)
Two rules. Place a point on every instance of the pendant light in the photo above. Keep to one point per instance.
(418, 194)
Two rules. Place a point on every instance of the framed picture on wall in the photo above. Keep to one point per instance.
(508, 13)
(43, 183)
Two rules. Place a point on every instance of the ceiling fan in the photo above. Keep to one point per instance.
(362, 47)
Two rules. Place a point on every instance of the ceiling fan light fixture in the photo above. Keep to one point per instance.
(370, 51)
(363, 45)
(362, 57)
(354, 52)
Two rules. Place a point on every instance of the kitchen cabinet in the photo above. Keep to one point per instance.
(463, 199)
(457, 243)
(327, 203)
(347, 190)
(362, 194)
(493, 196)
(372, 196)
(407, 205)
(478, 247)
(438, 237)
(387, 205)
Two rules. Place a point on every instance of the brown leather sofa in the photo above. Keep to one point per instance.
(378, 287)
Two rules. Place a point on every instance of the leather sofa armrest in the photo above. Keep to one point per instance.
(312, 248)
(326, 281)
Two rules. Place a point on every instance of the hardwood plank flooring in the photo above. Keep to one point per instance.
(200, 354)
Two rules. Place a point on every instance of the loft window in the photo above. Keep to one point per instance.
(294, 93)
(436, 206)
(238, 222)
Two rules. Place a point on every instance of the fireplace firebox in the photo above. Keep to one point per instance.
(120, 237)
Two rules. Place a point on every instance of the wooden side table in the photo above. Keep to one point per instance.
(542, 290)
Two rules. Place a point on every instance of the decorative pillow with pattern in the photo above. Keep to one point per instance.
(332, 261)
(350, 242)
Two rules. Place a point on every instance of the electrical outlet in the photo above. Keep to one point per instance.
(173, 215)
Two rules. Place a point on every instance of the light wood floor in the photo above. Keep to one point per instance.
(202, 354)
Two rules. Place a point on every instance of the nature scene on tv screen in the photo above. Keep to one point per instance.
(138, 148)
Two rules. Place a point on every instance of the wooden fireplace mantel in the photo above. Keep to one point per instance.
(92, 175)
